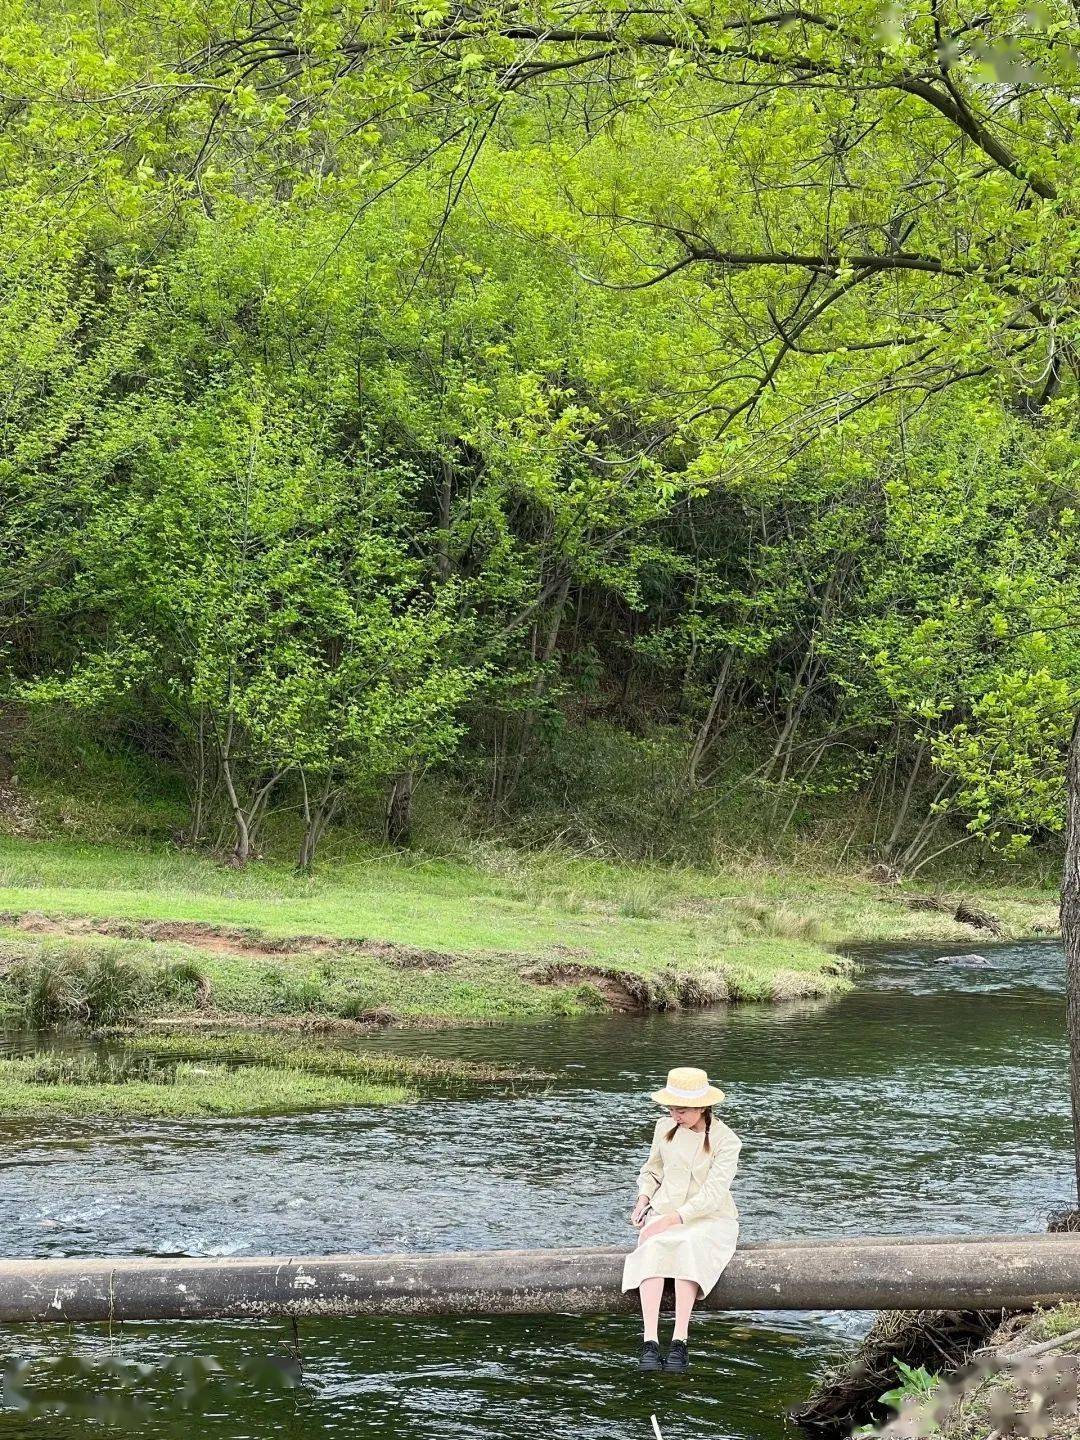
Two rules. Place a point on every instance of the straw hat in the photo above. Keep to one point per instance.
(688, 1086)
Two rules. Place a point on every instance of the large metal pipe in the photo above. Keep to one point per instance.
(875, 1273)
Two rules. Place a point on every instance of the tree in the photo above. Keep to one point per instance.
(1070, 927)
(665, 318)
(258, 593)
(906, 180)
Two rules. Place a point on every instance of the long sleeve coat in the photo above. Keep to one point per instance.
(681, 1175)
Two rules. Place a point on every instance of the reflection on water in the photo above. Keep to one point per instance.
(545, 1376)
(933, 1098)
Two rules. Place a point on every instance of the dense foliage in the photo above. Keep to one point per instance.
(387, 387)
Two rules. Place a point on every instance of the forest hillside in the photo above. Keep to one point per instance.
(418, 425)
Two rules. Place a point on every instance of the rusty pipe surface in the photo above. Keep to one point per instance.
(867, 1273)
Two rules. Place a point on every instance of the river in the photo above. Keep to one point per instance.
(932, 1098)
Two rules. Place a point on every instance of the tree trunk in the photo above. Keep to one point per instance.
(1070, 929)
(787, 739)
(905, 803)
(704, 735)
(789, 710)
(242, 849)
(399, 810)
(932, 822)
(539, 686)
(316, 822)
(198, 801)
(307, 848)
(247, 818)
(316, 816)
(446, 496)
(257, 810)
(809, 669)
(804, 781)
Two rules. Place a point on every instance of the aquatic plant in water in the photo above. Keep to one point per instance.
(53, 1067)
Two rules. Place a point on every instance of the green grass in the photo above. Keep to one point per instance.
(1058, 1320)
(185, 1091)
(756, 933)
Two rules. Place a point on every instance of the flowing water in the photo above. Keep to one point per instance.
(932, 1098)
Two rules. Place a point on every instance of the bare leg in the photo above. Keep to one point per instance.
(650, 1292)
(686, 1292)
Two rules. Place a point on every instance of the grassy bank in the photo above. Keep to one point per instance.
(1026, 1384)
(187, 1076)
(953, 1374)
(106, 934)
(37, 1085)
(1022, 1391)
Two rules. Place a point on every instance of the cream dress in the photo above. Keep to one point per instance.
(680, 1174)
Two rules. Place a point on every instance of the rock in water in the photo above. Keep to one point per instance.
(969, 962)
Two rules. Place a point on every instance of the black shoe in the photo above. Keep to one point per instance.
(650, 1356)
(677, 1359)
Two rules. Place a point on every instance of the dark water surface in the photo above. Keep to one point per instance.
(932, 1098)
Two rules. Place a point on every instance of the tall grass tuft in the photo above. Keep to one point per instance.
(642, 902)
(92, 984)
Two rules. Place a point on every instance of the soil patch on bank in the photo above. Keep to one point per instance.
(338, 1026)
(223, 939)
(625, 991)
(1024, 1381)
(954, 1375)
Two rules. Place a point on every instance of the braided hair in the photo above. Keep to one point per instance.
(708, 1123)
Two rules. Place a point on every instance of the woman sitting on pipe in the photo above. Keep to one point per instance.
(688, 1221)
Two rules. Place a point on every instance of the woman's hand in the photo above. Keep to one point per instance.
(637, 1215)
(659, 1226)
